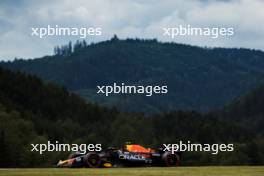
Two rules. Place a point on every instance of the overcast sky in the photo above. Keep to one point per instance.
(126, 18)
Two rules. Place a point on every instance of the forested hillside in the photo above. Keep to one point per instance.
(197, 78)
(247, 110)
(33, 111)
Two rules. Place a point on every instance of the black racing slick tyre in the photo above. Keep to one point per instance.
(171, 160)
(92, 160)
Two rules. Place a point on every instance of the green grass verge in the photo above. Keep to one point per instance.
(150, 171)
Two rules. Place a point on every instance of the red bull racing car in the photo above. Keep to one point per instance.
(128, 156)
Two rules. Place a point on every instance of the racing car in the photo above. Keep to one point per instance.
(130, 155)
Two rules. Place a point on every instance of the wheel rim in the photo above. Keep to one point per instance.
(172, 160)
(93, 160)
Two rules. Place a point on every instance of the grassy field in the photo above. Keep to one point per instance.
(151, 171)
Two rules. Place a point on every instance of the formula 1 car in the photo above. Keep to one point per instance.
(129, 156)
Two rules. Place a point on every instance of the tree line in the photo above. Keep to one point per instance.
(33, 111)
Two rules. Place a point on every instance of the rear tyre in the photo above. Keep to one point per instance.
(92, 160)
(171, 160)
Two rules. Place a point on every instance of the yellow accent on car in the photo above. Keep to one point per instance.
(108, 165)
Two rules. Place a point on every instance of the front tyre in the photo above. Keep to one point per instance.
(92, 160)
